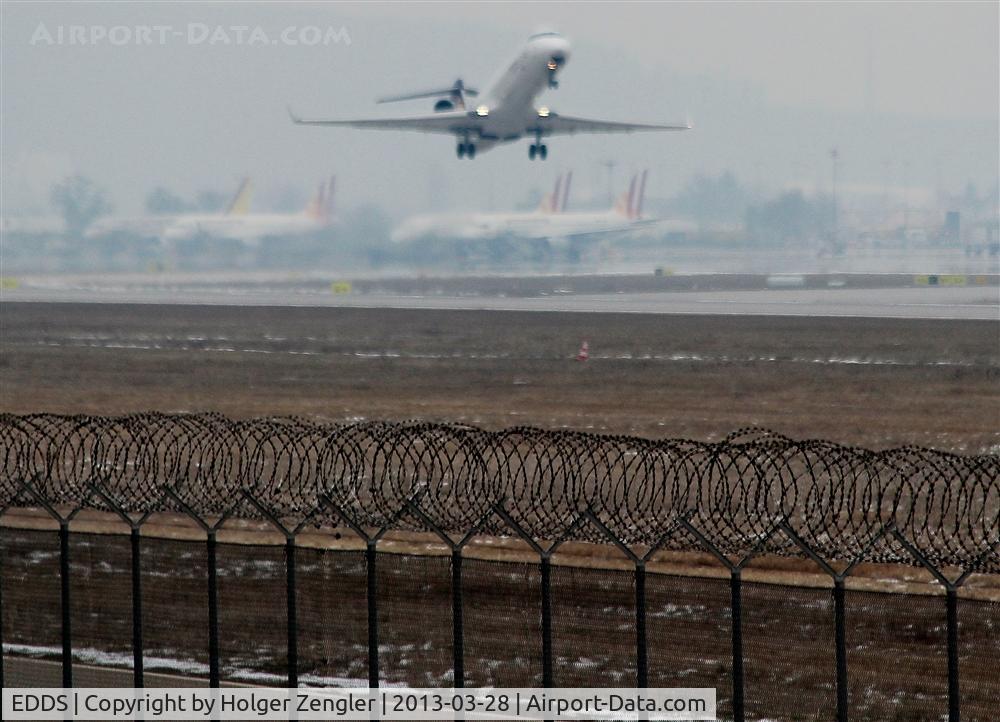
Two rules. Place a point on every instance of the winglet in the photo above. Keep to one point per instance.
(291, 114)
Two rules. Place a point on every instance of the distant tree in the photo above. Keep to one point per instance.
(529, 202)
(971, 196)
(160, 201)
(367, 225)
(210, 201)
(707, 198)
(80, 202)
(789, 217)
(285, 199)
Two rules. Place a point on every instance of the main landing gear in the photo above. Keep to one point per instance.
(538, 149)
(466, 150)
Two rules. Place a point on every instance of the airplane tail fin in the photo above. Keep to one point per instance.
(623, 206)
(331, 186)
(320, 206)
(629, 204)
(314, 208)
(550, 201)
(565, 192)
(240, 204)
(640, 196)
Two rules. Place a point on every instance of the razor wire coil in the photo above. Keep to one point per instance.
(837, 498)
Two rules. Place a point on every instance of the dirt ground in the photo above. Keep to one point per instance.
(865, 381)
(874, 382)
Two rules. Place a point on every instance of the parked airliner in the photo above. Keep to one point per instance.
(250, 228)
(156, 225)
(550, 223)
(507, 111)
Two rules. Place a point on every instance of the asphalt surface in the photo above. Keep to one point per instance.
(943, 302)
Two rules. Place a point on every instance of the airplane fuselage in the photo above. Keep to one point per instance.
(484, 226)
(505, 113)
(509, 104)
(248, 228)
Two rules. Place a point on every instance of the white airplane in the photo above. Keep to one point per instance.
(477, 226)
(155, 226)
(251, 228)
(507, 111)
(550, 222)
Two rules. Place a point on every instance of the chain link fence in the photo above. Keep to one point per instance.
(372, 615)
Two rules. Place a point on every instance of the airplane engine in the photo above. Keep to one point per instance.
(443, 105)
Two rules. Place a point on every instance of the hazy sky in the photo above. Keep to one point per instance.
(908, 93)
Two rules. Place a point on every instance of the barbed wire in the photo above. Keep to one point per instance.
(839, 499)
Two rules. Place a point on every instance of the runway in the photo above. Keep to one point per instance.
(946, 302)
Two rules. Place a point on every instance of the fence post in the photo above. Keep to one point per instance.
(213, 592)
(371, 541)
(736, 622)
(641, 652)
(370, 560)
(839, 605)
(3, 555)
(136, 581)
(951, 601)
(64, 589)
(457, 614)
(951, 610)
(840, 642)
(67, 643)
(137, 650)
(213, 613)
(547, 676)
(736, 601)
(545, 559)
(291, 596)
(292, 625)
(457, 622)
(954, 690)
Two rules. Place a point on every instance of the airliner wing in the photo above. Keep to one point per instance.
(606, 230)
(555, 124)
(454, 122)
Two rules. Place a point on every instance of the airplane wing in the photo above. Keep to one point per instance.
(555, 124)
(575, 233)
(607, 230)
(454, 122)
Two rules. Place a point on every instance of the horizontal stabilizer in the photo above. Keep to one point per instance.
(457, 90)
(424, 94)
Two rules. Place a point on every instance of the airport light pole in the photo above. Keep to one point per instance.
(906, 197)
(834, 156)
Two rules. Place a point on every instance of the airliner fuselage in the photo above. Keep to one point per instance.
(509, 109)
(506, 112)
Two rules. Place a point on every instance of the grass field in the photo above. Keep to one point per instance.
(871, 382)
